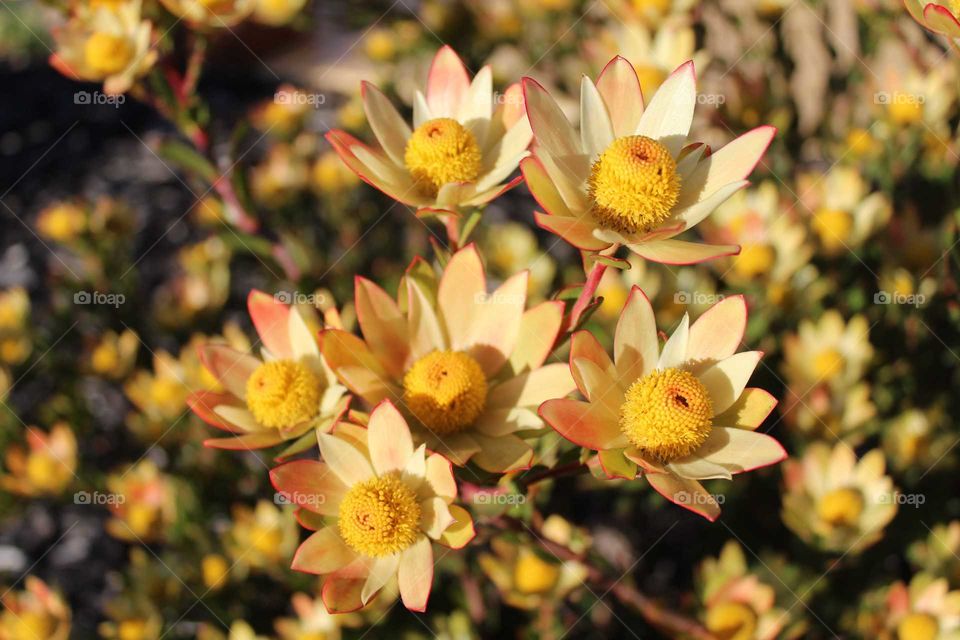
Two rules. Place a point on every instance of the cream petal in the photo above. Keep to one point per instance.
(539, 328)
(496, 325)
(438, 473)
(718, 332)
(596, 130)
(601, 389)
(500, 172)
(680, 252)
(434, 516)
(531, 388)
(732, 163)
(303, 341)
(749, 411)
(550, 127)
(739, 450)
(388, 126)
(238, 416)
(698, 469)
(569, 175)
(477, 107)
(577, 231)
(415, 470)
(503, 454)
(389, 439)
(415, 575)
(423, 327)
(462, 288)
(620, 88)
(383, 325)
(382, 570)
(670, 113)
(345, 460)
(695, 213)
(726, 380)
(309, 484)
(500, 422)
(542, 188)
(513, 144)
(231, 367)
(675, 350)
(421, 110)
(635, 346)
(323, 552)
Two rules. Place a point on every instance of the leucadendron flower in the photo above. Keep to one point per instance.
(926, 609)
(36, 612)
(461, 149)
(109, 45)
(681, 414)
(211, 13)
(282, 395)
(376, 504)
(939, 17)
(631, 176)
(465, 366)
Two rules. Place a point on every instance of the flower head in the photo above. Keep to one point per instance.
(939, 17)
(630, 177)
(282, 395)
(211, 13)
(35, 612)
(376, 503)
(46, 467)
(681, 414)
(466, 367)
(460, 149)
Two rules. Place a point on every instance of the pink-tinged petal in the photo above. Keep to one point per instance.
(576, 231)
(347, 148)
(309, 484)
(551, 129)
(424, 332)
(670, 113)
(620, 88)
(345, 352)
(602, 390)
(434, 516)
(503, 454)
(323, 552)
(539, 327)
(732, 163)
(382, 570)
(204, 403)
(726, 380)
(231, 367)
(674, 352)
(346, 461)
(341, 589)
(390, 129)
(463, 286)
(717, 333)
(583, 424)
(513, 107)
(447, 83)
(383, 325)
(596, 130)
(496, 324)
(370, 386)
(680, 252)
(389, 439)
(532, 388)
(584, 345)
(238, 416)
(739, 450)
(635, 345)
(505, 153)
(694, 214)
(476, 108)
(461, 532)
(415, 575)
(617, 465)
(492, 193)
(542, 188)
(439, 477)
(749, 411)
(246, 442)
(686, 493)
(939, 19)
(569, 175)
(270, 318)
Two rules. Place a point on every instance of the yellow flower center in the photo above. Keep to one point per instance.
(841, 507)
(106, 53)
(828, 363)
(380, 516)
(441, 151)
(283, 393)
(633, 184)
(667, 414)
(533, 574)
(904, 110)
(833, 226)
(918, 626)
(732, 621)
(445, 390)
(754, 260)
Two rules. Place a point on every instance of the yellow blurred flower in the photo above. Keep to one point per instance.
(280, 177)
(211, 13)
(142, 501)
(313, 621)
(62, 221)
(829, 350)
(284, 113)
(276, 13)
(844, 212)
(36, 612)
(329, 176)
(263, 538)
(114, 354)
(926, 609)
(380, 44)
(215, 571)
(15, 341)
(46, 467)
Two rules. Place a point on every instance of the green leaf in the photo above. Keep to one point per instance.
(187, 158)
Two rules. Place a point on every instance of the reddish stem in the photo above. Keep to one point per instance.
(587, 295)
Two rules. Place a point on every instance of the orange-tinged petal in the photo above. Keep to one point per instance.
(726, 380)
(439, 477)
(204, 403)
(542, 188)
(229, 366)
(462, 288)
(601, 389)
(345, 460)
(434, 516)
(539, 327)
(584, 345)
(389, 439)
(343, 350)
(577, 231)
(939, 19)
(415, 575)
(635, 346)
(687, 493)
(461, 532)
(447, 83)
(734, 162)
(620, 88)
(246, 441)
(270, 318)
(719, 331)
(583, 424)
(749, 411)
(681, 252)
(323, 552)
(341, 589)
(309, 484)
(382, 324)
